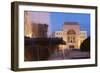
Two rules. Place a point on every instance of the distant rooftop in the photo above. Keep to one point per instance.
(43, 24)
(72, 23)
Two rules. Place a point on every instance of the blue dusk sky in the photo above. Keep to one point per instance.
(57, 20)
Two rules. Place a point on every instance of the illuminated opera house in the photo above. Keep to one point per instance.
(71, 34)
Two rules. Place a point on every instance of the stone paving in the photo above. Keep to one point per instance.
(69, 54)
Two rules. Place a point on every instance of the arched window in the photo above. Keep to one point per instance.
(71, 36)
(71, 32)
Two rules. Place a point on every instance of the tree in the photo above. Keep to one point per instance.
(85, 46)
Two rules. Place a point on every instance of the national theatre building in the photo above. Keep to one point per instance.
(71, 34)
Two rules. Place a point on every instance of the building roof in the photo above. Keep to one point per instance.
(71, 23)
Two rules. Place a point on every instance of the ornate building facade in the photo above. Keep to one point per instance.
(72, 35)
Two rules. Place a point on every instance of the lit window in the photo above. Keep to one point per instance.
(71, 36)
